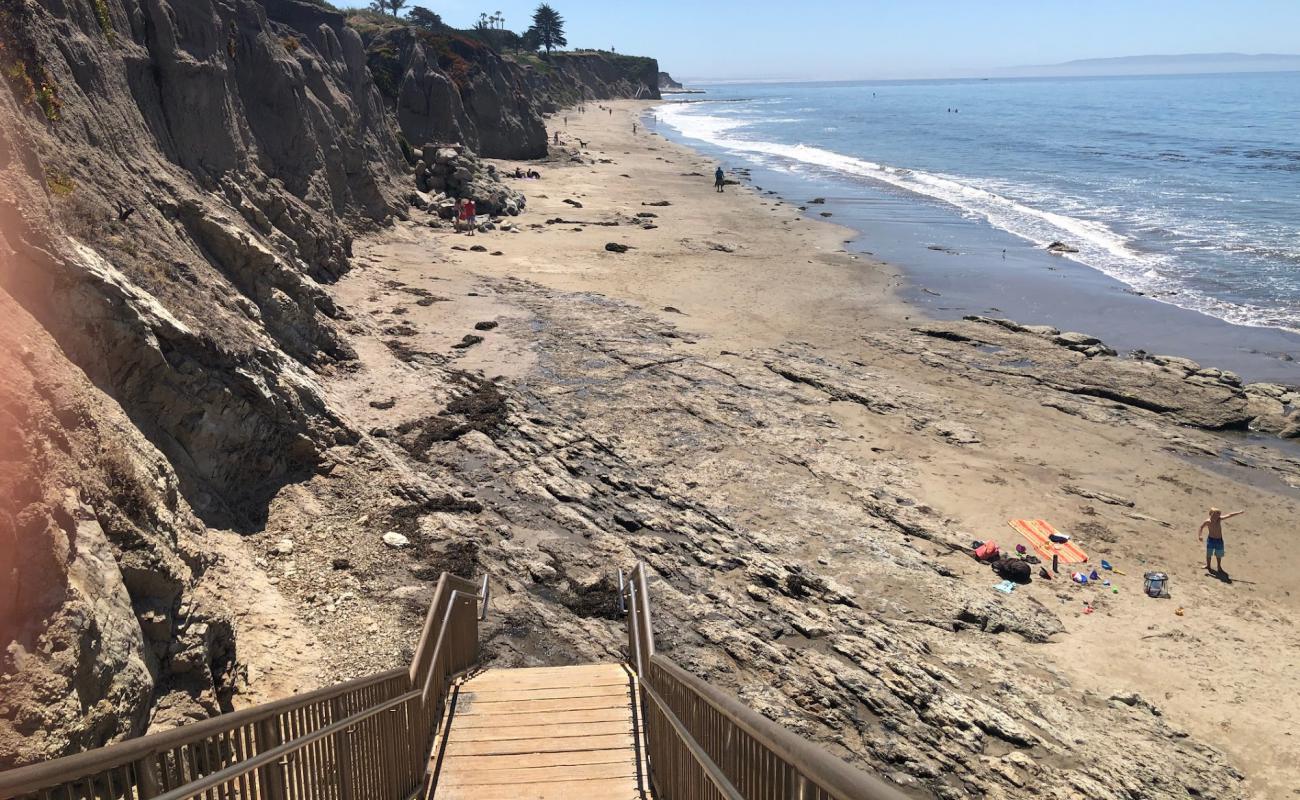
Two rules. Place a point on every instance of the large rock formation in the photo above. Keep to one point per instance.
(175, 180)
(446, 88)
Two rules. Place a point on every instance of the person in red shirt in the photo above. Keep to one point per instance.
(471, 215)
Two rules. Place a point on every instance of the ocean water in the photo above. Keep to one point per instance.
(1185, 189)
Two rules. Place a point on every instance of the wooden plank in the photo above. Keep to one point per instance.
(524, 760)
(607, 789)
(522, 775)
(470, 706)
(505, 695)
(551, 731)
(556, 681)
(512, 746)
(534, 673)
(508, 716)
(574, 668)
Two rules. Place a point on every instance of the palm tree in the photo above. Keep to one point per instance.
(549, 26)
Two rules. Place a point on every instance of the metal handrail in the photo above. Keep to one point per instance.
(22, 780)
(296, 748)
(755, 757)
(278, 754)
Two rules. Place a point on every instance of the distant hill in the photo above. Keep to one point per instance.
(1189, 63)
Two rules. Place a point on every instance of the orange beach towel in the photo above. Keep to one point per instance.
(1038, 532)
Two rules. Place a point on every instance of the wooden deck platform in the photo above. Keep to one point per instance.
(536, 734)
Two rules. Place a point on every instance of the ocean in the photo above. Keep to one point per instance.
(1179, 189)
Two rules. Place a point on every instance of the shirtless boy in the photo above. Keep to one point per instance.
(1214, 541)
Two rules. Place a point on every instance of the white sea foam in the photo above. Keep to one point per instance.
(1100, 246)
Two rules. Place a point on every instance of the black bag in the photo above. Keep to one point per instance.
(1012, 569)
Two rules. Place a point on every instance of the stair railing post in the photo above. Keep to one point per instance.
(343, 746)
(272, 775)
(148, 781)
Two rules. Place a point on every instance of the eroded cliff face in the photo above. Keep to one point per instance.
(176, 180)
(449, 89)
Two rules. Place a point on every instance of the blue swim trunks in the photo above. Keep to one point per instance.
(1214, 547)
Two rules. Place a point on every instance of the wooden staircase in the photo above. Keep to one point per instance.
(548, 733)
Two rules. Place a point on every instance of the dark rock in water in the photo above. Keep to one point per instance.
(1061, 247)
(816, 201)
(826, 213)
(615, 247)
(469, 341)
(485, 325)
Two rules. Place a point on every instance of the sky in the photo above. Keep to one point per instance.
(879, 39)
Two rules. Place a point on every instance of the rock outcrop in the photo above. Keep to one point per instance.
(666, 82)
(174, 185)
(448, 89)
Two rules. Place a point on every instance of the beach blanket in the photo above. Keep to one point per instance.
(1038, 533)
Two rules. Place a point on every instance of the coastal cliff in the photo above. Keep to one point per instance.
(178, 181)
(449, 88)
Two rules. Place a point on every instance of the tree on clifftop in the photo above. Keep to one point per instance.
(425, 19)
(549, 27)
(388, 6)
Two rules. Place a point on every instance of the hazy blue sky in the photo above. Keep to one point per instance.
(839, 39)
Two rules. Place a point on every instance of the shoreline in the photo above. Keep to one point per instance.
(956, 266)
(741, 359)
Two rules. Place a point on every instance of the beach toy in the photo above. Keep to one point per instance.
(1106, 564)
(1114, 591)
(1105, 583)
(1079, 578)
(1155, 583)
(1021, 549)
(1094, 576)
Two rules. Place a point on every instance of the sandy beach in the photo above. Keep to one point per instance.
(740, 359)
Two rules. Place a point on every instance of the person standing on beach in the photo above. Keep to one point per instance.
(719, 179)
(634, 129)
(1214, 539)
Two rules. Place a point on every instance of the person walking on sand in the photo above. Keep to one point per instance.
(719, 179)
(1214, 539)
(634, 129)
(471, 215)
